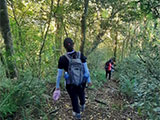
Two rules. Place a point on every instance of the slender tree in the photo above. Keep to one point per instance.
(115, 45)
(45, 36)
(59, 29)
(83, 26)
(6, 34)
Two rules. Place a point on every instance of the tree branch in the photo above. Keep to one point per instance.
(45, 36)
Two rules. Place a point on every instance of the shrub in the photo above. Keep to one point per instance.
(23, 96)
(139, 77)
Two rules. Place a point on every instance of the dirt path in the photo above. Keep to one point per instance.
(106, 103)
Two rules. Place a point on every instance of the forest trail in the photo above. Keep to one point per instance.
(105, 103)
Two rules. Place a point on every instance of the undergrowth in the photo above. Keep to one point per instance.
(139, 77)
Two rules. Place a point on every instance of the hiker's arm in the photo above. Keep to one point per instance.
(59, 75)
(112, 67)
(87, 72)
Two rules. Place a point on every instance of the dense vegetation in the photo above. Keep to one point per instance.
(32, 41)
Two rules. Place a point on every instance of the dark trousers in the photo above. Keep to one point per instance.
(76, 93)
(108, 72)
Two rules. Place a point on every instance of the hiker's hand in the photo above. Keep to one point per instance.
(89, 84)
(56, 94)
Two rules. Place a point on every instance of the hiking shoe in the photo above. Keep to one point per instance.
(77, 116)
(82, 108)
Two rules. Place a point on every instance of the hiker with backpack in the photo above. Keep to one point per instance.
(109, 67)
(76, 75)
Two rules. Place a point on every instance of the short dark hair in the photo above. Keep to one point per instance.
(68, 44)
(113, 58)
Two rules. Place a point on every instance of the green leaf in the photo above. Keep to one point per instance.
(157, 109)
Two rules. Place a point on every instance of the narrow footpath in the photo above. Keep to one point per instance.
(105, 103)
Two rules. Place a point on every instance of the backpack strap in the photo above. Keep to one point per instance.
(66, 55)
(79, 54)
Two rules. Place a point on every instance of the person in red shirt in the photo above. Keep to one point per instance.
(108, 68)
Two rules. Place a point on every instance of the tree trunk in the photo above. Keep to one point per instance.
(132, 40)
(3, 62)
(127, 41)
(59, 31)
(115, 46)
(58, 38)
(5, 30)
(83, 26)
(123, 49)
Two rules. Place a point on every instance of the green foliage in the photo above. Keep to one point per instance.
(24, 95)
(29, 21)
(139, 77)
(128, 73)
(150, 7)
